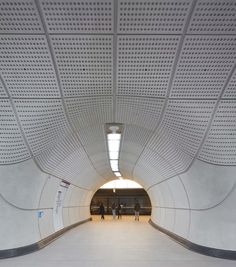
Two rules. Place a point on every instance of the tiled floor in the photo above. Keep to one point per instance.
(116, 243)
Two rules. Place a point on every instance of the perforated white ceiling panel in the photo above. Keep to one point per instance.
(43, 122)
(213, 17)
(26, 66)
(2, 91)
(165, 69)
(87, 111)
(230, 91)
(145, 64)
(19, 17)
(220, 145)
(78, 16)
(162, 16)
(144, 112)
(12, 146)
(85, 64)
(204, 65)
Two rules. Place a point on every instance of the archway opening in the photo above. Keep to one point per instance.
(121, 199)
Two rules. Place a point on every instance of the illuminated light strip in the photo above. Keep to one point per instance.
(113, 140)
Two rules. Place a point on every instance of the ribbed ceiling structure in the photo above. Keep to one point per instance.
(165, 69)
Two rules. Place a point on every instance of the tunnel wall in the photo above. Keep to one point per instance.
(198, 205)
(27, 204)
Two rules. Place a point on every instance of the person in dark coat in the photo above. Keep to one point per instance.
(102, 211)
(136, 211)
(119, 211)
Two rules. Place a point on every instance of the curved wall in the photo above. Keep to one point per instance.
(27, 203)
(198, 205)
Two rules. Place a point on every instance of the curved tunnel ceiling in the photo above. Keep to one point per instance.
(165, 69)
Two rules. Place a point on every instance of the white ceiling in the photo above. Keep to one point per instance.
(163, 68)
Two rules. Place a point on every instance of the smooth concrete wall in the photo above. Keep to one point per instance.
(27, 200)
(198, 205)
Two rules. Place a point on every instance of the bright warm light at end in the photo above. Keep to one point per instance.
(124, 183)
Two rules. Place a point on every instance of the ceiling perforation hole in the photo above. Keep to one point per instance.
(19, 17)
(27, 68)
(12, 146)
(145, 64)
(168, 16)
(80, 16)
(85, 64)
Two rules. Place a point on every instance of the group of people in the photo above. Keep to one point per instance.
(117, 211)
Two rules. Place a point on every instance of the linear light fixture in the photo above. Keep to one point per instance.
(113, 141)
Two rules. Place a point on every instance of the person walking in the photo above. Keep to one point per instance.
(102, 211)
(113, 208)
(136, 211)
(119, 211)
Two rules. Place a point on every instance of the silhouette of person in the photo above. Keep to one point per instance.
(102, 211)
(113, 208)
(136, 211)
(119, 211)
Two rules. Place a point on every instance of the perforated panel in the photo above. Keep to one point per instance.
(145, 64)
(220, 145)
(144, 112)
(184, 125)
(26, 67)
(87, 111)
(230, 91)
(136, 135)
(2, 90)
(91, 135)
(12, 146)
(85, 64)
(133, 141)
(152, 165)
(213, 17)
(78, 16)
(19, 17)
(43, 122)
(68, 161)
(166, 16)
(204, 66)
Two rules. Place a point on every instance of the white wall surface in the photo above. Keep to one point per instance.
(25, 192)
(198, 205)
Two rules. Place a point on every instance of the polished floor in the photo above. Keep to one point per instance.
(116, 243)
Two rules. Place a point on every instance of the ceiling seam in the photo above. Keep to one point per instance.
(178, 53)
(115, 60)
(53, 58)
(120, 95)
(119, 34)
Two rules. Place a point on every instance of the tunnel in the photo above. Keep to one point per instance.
(162, 72)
